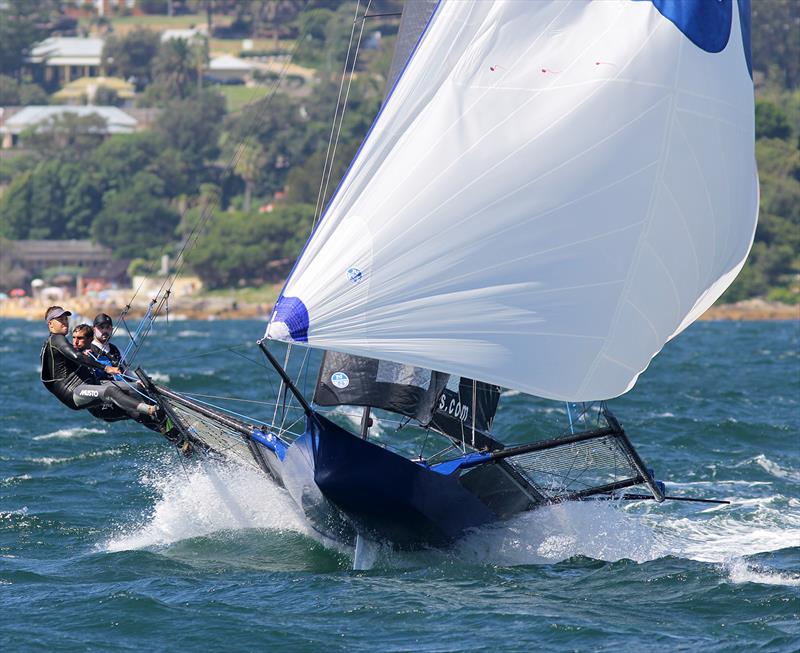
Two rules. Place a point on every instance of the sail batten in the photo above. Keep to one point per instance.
(551, 192)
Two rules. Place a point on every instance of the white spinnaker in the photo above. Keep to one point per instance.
(552, 191)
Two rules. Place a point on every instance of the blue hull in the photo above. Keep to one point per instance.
(386, 496)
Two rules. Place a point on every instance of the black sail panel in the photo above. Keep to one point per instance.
(465, 405)
(432, 398)
(345, 379)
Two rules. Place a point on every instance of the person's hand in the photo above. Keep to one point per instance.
(112, 370)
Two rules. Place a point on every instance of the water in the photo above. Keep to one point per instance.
(109, 542)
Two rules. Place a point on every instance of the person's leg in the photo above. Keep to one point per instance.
(87, 395)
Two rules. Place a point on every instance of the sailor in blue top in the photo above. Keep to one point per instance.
(102, 350)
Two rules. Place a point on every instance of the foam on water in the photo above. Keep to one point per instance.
(740, 571)
(55, 460)
(69, 434)
(206, 497)
(774, 468)
(203, 498)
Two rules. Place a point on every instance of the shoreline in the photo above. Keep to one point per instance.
(219, 308)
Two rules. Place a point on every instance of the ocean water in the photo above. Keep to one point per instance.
(110, 542)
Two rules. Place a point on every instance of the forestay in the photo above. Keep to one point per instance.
(551, 192)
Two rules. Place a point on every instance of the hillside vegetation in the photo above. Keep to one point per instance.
(258, 164)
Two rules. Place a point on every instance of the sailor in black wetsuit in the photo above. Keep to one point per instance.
(68, 374)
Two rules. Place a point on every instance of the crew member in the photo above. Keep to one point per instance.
(82, 338)
(68, 374)
(102, 349)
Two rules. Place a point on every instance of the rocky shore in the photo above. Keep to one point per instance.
(220, 308)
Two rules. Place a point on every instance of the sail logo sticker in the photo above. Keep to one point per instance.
(340, 379)
(354, 274)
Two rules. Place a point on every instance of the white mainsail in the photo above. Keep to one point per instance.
(551, 192)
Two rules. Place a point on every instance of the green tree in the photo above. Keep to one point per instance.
(191, 127)
(775, 26)
(106, 96)
(132, 55)
(771, 122)
(32, 94)
(54, 201)
(22, 24)
(175, 69)
(66, 137)
(135, 221)
(250, 248)
(9, 91)
(114, 165)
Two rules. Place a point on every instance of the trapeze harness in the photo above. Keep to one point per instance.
(68, 374)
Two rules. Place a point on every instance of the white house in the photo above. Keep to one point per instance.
(117, 121)
(59, 59)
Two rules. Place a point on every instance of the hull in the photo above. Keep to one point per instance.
(348, 487)
(388, 497)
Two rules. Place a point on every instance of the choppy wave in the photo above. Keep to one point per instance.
(742, 571)
(69, 434)
(55, 460)
(774, 468)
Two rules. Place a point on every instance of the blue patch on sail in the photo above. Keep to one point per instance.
(294, 314)
(706, 23)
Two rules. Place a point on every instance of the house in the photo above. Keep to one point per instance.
(12, 124)
(58, 60)
(227, 67)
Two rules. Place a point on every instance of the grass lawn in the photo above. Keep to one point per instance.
(236, 97)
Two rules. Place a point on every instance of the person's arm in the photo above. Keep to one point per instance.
(63, 347)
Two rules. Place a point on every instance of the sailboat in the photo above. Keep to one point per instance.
(550, 192)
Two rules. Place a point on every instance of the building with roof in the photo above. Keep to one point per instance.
(58, 59)
(228, 67)
(14, 123)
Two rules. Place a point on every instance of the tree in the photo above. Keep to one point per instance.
(116, 162)
(250, 159)
(22, 24)
(66, 137)
(9, 91)
(191, 127)
(54, 200)
(105, 96)
(32, 94)
(135, 221)
(771, 122)
(175, 69)
(775, 44)
(131, 56)
(250, 248)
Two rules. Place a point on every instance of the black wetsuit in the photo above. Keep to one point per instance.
(68, 374)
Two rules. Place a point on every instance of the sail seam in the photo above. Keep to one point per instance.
(591, 369)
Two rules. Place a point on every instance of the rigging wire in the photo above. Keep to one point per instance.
(346, 98)
(328, 158)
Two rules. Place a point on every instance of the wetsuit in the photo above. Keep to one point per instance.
(68, 374)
